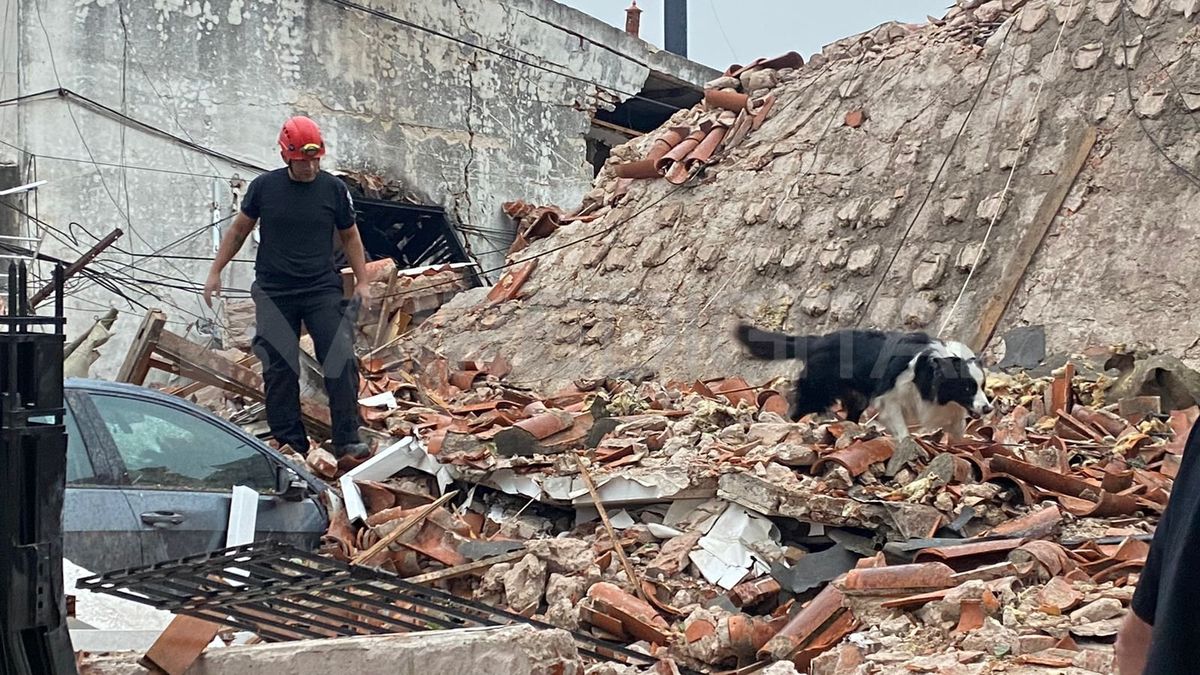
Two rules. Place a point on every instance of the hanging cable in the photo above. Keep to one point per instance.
(560, 70)
(933, 183)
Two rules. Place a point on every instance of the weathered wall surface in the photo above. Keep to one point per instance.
(463, 128)
(797, 225)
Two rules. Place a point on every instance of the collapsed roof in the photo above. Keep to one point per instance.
(1031, 156)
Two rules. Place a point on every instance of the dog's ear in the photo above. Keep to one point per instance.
(939, 369)
(948, 368)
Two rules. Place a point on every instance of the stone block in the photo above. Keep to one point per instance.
(1127, 53)
(929, 271)
(834, 256)
(1033, 16)
(1106, 10)
(816, 301)
(1087, 56)
(846, 305)
(862, 261)
(954, 209)
(505, 650)
(1151, 104)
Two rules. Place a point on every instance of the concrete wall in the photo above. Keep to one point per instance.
(463, 128)
(8, 76)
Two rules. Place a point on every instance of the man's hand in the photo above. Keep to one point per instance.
(1133, 643)
(212, 286)
(362, 292)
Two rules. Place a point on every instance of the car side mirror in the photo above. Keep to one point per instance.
(288, 485)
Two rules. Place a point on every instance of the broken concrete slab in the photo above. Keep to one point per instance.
(507, 650)
(898, 520)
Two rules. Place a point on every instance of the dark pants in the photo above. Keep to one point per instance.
(330, 322)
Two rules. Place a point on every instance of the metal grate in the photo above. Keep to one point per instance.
(282, 593)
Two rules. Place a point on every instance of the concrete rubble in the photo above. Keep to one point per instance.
(817, 544)
(686, 516)
(510, 650)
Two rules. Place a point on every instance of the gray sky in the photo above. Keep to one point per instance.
(722, 32)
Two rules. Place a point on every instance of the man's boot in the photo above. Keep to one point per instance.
(356, 450)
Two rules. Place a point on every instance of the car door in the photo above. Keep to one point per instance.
(100, 532)
(182, 463)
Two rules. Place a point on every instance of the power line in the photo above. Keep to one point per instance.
(1033, 112)
(83, 139)
(721, 27)
(933, 183)
(564, 72)
(150, 81)
(1133, 104)
(113, 165)
(101, 109)
(27, 97)
(580, 240)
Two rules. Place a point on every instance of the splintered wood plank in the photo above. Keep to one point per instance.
(1031, 241)
(137, 360)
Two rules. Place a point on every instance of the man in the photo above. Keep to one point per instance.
(299, 207)
(1161, 635)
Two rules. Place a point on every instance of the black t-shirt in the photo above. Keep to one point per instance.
(296, 229)
(1168, 591)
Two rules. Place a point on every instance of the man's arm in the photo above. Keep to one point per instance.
(231, 243)
(1133, 645)
(353, 246)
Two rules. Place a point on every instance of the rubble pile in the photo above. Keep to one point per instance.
(737, 104)
(695, 522)
(690, 518)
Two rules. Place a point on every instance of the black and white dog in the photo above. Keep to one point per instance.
(911, 379)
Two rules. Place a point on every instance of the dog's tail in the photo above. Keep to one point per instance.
(769, 345)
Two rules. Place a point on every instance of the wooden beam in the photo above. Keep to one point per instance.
(137, 360)
(79, 264)
(384, 308)
(1018, 264)
(195, 387)
(468, 568)
(624, 131)
(201, 364)
(180, 644)
(612, 532)
(407, 525)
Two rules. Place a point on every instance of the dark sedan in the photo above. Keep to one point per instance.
(149, 478)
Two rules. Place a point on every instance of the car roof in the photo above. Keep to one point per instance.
(108, 387)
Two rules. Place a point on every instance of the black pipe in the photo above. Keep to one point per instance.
(675, 28)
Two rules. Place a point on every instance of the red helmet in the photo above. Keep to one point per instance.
(300, 139)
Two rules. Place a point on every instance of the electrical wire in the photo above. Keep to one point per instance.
(113, 165)
(106, 111)
(1133, 104)
(83, 139)
(599, 233)
(150, 81)
(28, 97)
(560, 70)
(1031, 115)
(933, 183)
(721, 26)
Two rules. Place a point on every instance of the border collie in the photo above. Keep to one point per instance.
(909, 378)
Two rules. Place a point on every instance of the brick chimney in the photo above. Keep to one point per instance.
(633, 19)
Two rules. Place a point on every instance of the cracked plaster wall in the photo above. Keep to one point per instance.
(463, 128)
(796, 226)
